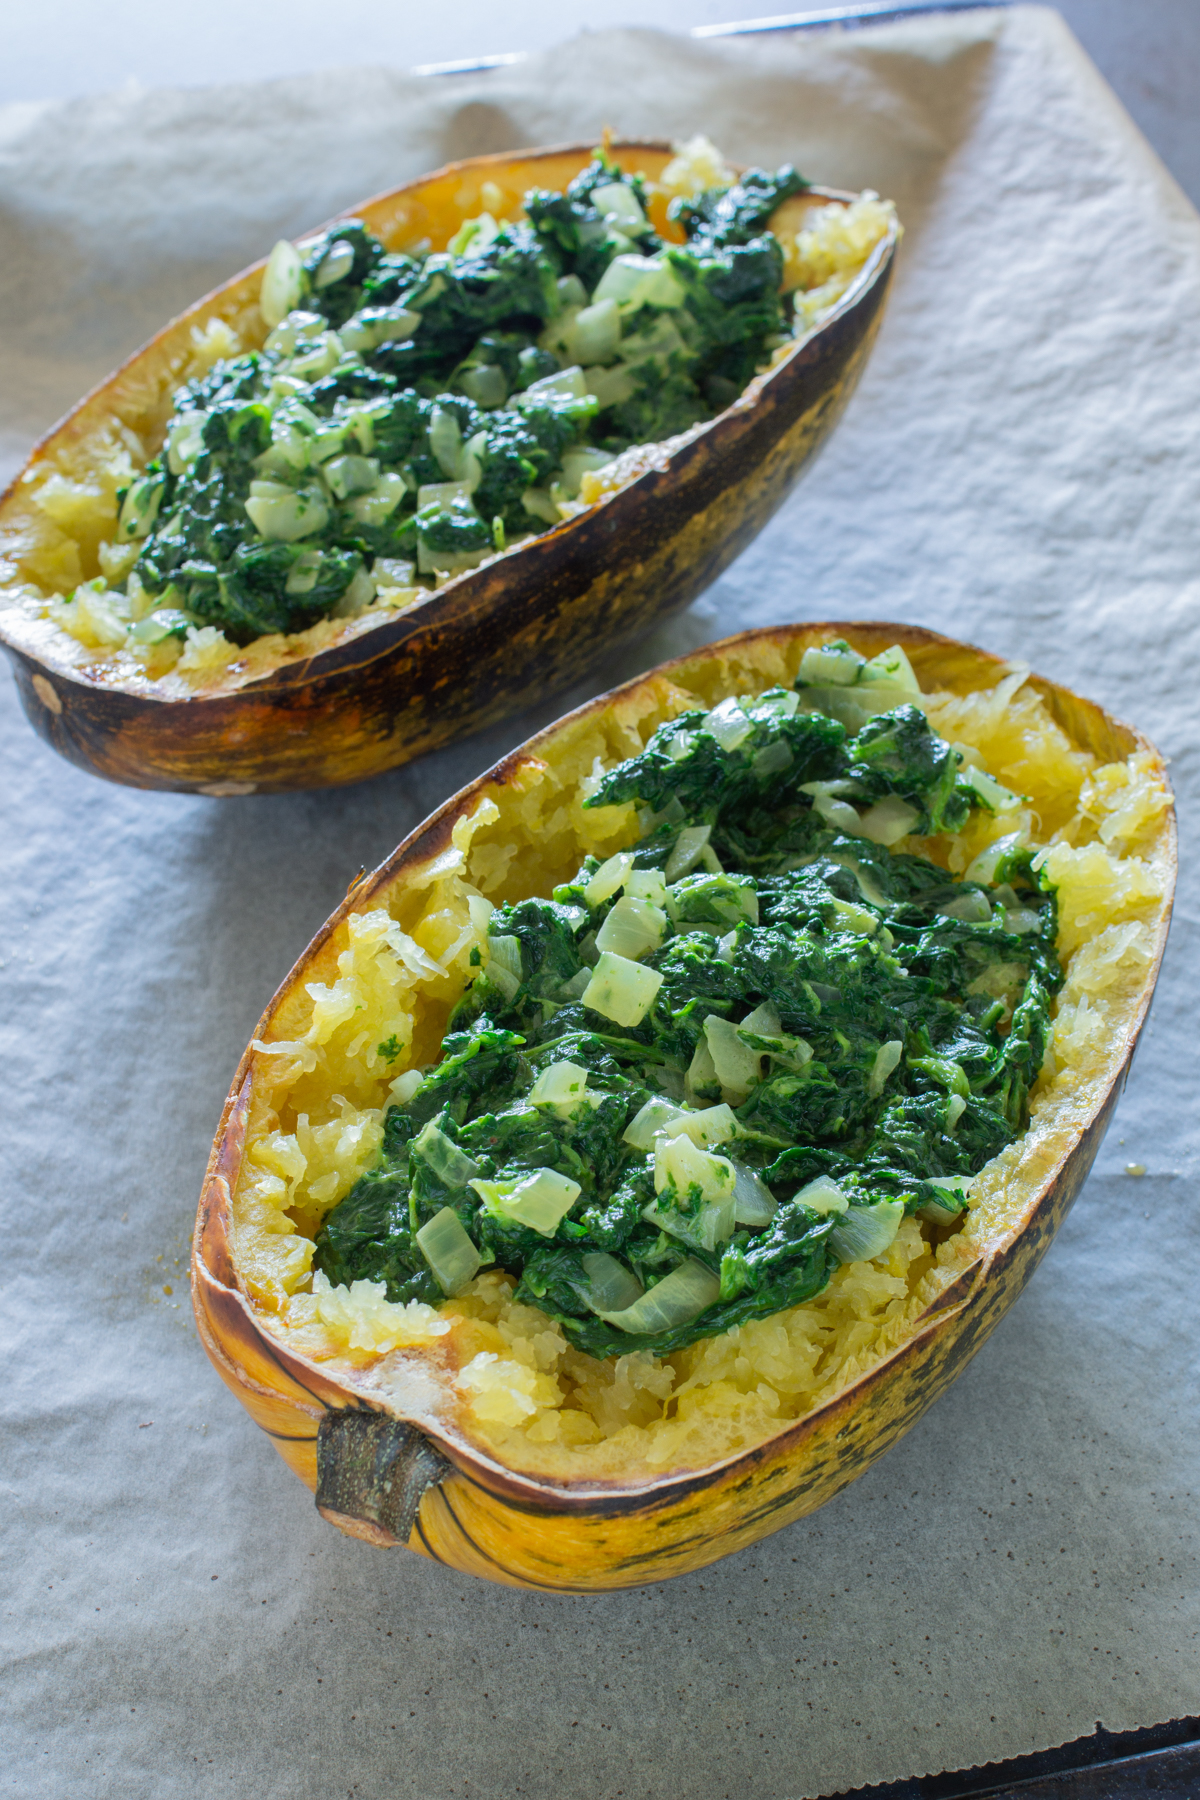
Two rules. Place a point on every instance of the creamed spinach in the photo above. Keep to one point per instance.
(412, 414)
(691, 1082)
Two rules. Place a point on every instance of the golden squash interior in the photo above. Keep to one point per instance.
(497, 1380)
(58, 521)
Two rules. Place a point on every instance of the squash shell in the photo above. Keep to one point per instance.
(484, 1519)
(491, 641)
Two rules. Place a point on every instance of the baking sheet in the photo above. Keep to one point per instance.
(1020, 467)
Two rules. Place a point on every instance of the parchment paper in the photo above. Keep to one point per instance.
(1021, 467)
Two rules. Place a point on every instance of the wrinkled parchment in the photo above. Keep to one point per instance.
(1020, 467)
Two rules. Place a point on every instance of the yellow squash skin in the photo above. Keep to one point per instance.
(477, 1516)
(490, 641)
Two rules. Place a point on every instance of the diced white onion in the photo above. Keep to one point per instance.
(567, 382)
(647, 884)
(609, 878)
(633, 928)
(348, 475)
(657, 1116)
(185, 440)
(540, 1200)
(774, 759)
(285, 514)
(449, 1251)
(621, 990)
(406, 1085)
(829, 665)
(887, 1061)
(452, 1166)
(336, 263)
(689, 847)
(379, 505)
(611, 387)
(763, 1021)
(681, 1296)
(729, 725)
(888, 820)
(837, 813)
(866, 1231)
(737, 1065)
(282, 283)
(972, 908)
(753, 1202)
(680, 1165)
(983, 868)
(702, 1070)
(562, 1086)
(634, 281)
(610, 1285)
(616, 200)
(891, 668)
(855, 918)
(823, 1196)
(596, 333)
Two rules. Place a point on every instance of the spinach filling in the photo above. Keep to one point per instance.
(686, 1087)
(411, 415)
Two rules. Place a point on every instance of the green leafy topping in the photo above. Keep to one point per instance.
(828, 1034)
(426, 411)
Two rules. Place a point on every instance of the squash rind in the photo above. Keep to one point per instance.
(539, 1532)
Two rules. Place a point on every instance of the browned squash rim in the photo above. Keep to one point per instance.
(214, 1274)
(443, 606)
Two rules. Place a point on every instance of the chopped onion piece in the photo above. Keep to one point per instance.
(449, 1251)
(562, 1085)
(888, 820)
(681, 1296)
(621, 990)
(774, 759)
(633, 928)
(540, 1200)
(406, 1085)
(617, 200)
(866, 1231)
(829, 665)
(702, 1070)
(972, 908)
(891, 668)
(983, 868)
(855, 918)
(689, 847)
(335, 265)
(610, 1286)
(680, 1165)
(282, 283)
(609, 878)
(887, 1061)
(452, 1166)
(647, 884)
(823, 1196)
(657, 1116)
(737, 1065)
(753, 1202)
(729, 725)
(837, 813)
(283, 513)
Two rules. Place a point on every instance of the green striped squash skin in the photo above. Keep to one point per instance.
(463, 1508)
(500, 638)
